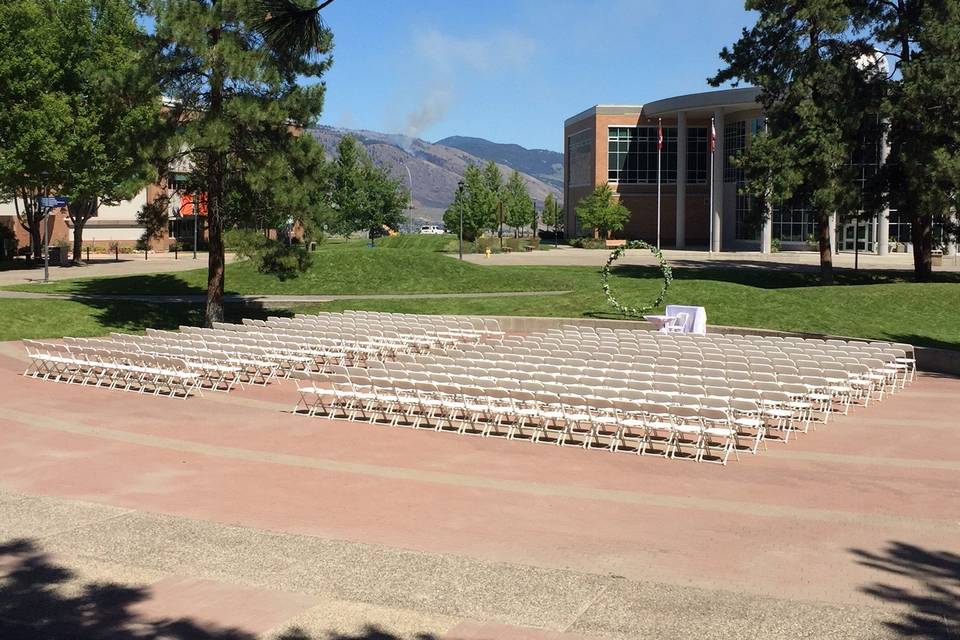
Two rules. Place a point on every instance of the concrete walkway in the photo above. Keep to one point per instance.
(226, 517)
(101, 265)
(268, 300)
(794, 260)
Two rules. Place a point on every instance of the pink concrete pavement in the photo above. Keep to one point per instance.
(782, 524)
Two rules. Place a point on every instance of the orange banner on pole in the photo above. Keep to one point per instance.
(187, 205)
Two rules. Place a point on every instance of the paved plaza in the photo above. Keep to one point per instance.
(225, 516)
(793, 260)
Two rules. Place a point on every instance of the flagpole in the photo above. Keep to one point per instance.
(659, 153)
(713, 151)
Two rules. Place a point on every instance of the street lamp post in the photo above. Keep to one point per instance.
(410, 199)
(460, 200)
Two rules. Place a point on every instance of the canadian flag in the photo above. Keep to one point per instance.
(713, 137)
(659, 136)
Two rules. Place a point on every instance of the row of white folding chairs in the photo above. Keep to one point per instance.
(805, 397)
(848, 388)
(462, 328)
(649, 344)
(905, 351)
(429, 335)
(824, 394)
(417, 340)
(334, 343)
(257, 353)
(322, 348)
(143, 373)
(490, 327)
(616, 424)
(248, 365)
(864, 379)
(890, 358)
(216, 373)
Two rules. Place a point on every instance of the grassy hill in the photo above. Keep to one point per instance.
(873, 305)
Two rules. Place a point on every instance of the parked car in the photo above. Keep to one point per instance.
(431, 229)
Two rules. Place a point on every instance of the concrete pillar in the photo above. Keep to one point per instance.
(717, 183)
(681, 180)
(833, 233)
(883, 218)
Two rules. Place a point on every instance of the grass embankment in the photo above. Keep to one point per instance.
(874, 305)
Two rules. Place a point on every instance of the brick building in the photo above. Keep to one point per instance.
(617, 145)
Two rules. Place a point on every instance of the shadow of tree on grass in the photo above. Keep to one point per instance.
(932, 604)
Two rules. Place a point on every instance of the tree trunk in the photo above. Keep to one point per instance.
(78, 242)
(80, 211)
(216, 165)
(826, 255)
(921, 233)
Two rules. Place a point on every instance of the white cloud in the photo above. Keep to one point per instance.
(496, 52)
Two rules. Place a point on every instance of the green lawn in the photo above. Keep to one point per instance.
(874, 305)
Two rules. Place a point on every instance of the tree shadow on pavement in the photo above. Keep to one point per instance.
(931, 607)
(40, 599)
(763, 275)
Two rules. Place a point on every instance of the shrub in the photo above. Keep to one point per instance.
(775, 245)
(512, 243)
(268, 255)
(588, 243)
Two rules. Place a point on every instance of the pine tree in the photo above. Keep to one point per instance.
(235, 70)
(802, 56)
(365, 196)
(921, 107)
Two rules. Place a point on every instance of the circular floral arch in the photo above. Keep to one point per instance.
(616, 255)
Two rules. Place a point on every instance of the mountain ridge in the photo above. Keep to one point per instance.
(434, 169)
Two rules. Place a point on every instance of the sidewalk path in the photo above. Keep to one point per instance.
(792, 260)
(268, 300)
(130, 264)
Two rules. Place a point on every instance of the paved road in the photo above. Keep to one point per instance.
(227, 512)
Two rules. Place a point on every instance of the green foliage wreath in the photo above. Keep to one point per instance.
(605, 278)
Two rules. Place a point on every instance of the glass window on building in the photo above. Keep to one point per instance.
(794, 221)
(757, 125)
(579, 162)
(900, 230)
(698, 155)
(747, 223)
(632, 155)
(734, 141)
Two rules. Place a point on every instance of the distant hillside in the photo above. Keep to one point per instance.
(435, 169)
(540, 163)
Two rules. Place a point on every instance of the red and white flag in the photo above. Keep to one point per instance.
(659, 136)
(713, 137)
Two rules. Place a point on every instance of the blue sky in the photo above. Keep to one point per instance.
(513, 70)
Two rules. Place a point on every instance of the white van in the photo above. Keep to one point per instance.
(431, 229)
